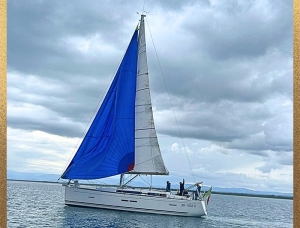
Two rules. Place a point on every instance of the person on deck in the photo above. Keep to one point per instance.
(168, 188)
(181, 187)
(197, 190)
(76, 184)
(198, 187)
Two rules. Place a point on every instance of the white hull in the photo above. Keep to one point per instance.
(155, 202)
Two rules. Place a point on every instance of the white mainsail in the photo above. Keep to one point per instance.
(148, 159)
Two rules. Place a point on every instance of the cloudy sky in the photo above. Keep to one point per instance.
(227, 66)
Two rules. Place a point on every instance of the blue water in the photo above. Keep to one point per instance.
(31, 204)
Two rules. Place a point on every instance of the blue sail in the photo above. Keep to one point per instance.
(108, 147)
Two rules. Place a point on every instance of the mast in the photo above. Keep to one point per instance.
(121, 180)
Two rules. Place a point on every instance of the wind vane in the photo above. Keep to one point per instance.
(143, 9)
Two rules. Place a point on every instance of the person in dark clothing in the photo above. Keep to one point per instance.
(168, 188)
(198, 187)
(185, 193)
(197, 191)
(181, 187)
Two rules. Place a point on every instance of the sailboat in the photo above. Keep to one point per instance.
(122, 140)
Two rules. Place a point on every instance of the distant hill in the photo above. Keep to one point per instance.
(239, 191)
(31, 176)
(14, 175)
(248, 191)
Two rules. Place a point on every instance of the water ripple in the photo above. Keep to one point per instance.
(31, 204)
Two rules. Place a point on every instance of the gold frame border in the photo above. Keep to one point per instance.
(3, 108)
(296, 155)
(3, 111)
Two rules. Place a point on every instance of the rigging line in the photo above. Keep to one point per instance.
(144, 6)
(145, 180)
(170, 102)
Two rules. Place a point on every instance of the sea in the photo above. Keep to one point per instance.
(34, 204)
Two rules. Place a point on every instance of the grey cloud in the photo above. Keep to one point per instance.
(174, 5)
(228, 69)
(35, 33)
(285, 158)
(213, 81)
(65, 99)
(250, 64)
(276, 160)
(268, 167)
(243, 29)
(55, 126)
(224, 121)
(251, 127)
(233, 61)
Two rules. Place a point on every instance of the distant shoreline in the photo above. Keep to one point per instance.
(213, 192)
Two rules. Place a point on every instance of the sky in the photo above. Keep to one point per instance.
(221, 79)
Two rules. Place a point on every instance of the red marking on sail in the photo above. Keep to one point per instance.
(130, 167)
(207, 200)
